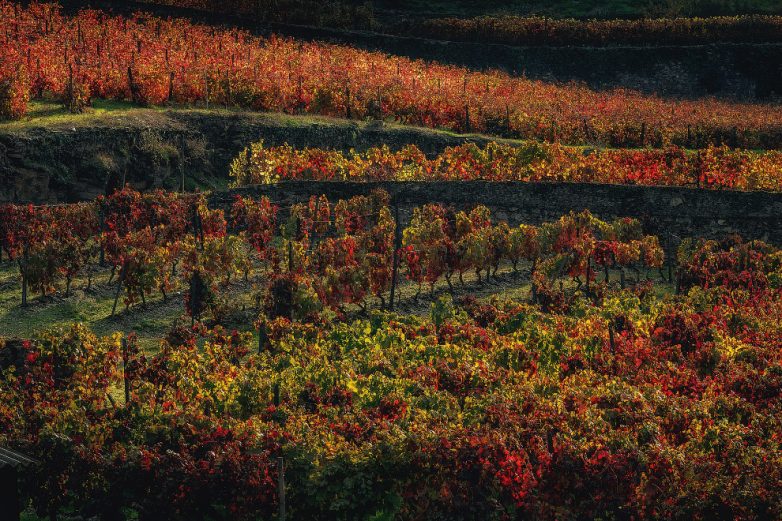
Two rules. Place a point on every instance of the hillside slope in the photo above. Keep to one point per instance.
(56, 157)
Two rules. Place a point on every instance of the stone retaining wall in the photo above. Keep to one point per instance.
(680, 212)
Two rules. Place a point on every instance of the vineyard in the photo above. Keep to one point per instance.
(717, 168)
(300, 12)
(152, 61)
(316, 255)
(603, 401)
(666, 27)
(593, 395)
(511, 30)
(457, 294)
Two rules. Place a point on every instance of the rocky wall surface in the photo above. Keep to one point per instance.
(150, 148)
(668, 212)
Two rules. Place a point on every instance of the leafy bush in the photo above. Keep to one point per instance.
(14, 93)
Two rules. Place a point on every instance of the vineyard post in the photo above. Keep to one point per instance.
(300, 102)
(131, 84)
(206, 90)
(195, 298)
(262, 337)
(588, 275)
(182, 160)
(69, 97)
(678, 281)
(347, 103)
(467, 118)
(534, 287)
(102, 222)
(550, 440)
(315, 222)
(200, 232)
(38, 74)
(119, 288)
(290, 245)
(643, 134)
(395, 253)
(228, 95)
(281, 485)
(170, 82)
(248, 168)
(23, 266)
(125, 378)
(612, 345)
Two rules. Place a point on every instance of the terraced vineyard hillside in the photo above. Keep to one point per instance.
(249, 274)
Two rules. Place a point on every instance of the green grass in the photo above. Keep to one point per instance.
(50, 112)
(152, 321)
(92, 308)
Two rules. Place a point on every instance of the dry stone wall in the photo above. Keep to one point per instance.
(668, 212)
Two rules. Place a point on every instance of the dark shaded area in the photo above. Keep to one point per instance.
(152, 149)
(682, 212)
(734, 71)
(582, 8)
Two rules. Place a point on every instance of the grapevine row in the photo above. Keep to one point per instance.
(513, 30)
(631, 405)
(313, 256)
(154, 61)
(712, 168)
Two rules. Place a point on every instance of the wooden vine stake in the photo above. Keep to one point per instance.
(612, 345)
(119, 289)
(263, 338)
(281, 486)
(206, 90)
(125, 377)
(395, 253)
